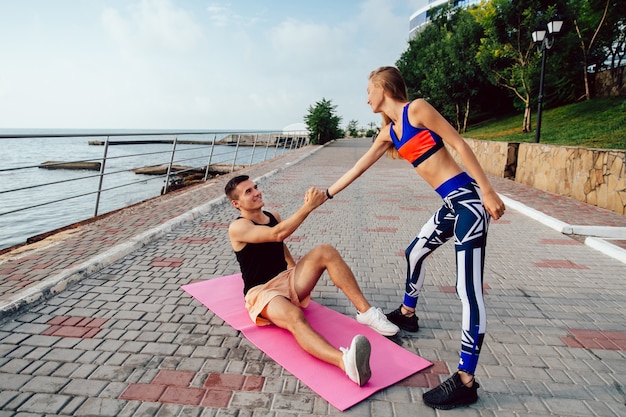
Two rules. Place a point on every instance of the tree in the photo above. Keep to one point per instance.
(588, 25)
(353, 128)
(323, 123)
(507, 53)
(466, 78)
(600, 26)
(422, 65)
(440, 64)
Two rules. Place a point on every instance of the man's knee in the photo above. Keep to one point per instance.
(294, 319)
(326, 251)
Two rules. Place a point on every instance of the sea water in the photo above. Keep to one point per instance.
(71, 197)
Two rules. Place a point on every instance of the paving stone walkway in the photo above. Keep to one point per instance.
(94, 323)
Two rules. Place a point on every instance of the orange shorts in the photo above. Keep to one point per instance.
(282, 285)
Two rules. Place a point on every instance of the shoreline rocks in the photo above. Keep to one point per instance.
(91, 166)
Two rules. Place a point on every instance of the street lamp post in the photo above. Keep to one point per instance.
(544, 43)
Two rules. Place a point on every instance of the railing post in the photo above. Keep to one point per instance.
(208, 164)
(232, 168)
(276, 148)
(256, 137)
(104, 160)
(169, 167)
(267, 146)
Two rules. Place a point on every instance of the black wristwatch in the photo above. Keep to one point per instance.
(328, 195)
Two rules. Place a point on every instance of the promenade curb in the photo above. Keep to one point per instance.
(607, 248)
(597, 235)
(61, 281)
(542, 218)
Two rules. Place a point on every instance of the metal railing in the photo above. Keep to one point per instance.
(170, 157)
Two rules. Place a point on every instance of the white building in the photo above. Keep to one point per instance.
(422, 15)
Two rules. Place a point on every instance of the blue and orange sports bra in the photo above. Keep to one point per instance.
(417, 143)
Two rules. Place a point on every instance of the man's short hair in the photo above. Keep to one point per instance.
(232, 185)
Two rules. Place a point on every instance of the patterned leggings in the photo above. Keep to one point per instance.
(463, 217)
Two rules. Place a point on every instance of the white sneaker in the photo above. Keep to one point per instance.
(376, 319)
(356, 360)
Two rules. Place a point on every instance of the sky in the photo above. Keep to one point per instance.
(192, 64)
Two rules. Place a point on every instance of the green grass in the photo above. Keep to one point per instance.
(597, 123)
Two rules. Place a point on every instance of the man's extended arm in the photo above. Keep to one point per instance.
(244, 231)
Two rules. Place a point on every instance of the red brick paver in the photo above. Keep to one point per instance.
(72, 326)
(381, 230)
(143, 392)
(225, 381)
(183, 395)
(559, 263)
(174, 378)
(595, 339)
(428, 378)
(174, 387)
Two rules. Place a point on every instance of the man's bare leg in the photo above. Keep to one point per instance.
(325, 257)
(354, 361)
(284, 314)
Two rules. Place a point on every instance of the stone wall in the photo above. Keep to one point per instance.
(595, 176)
(495, 157)
(608, 83)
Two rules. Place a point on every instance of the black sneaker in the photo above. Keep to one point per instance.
(451, 394)
(408, 324)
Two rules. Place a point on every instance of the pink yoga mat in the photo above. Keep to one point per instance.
(389, 362)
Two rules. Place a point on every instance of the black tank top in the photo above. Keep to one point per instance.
(260, 262)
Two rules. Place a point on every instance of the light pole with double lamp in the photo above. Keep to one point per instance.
(544, 43)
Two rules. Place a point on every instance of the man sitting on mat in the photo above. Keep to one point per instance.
(276, 287)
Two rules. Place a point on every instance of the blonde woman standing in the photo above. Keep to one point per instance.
(417, 132)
